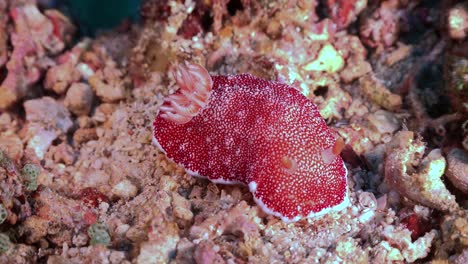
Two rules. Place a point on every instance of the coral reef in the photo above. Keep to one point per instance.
(81, 182)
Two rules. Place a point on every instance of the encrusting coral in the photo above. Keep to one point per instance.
(35, 36)
(5, 243)
(416, 177)
(457, 169)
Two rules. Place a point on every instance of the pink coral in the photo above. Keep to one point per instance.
(382, 27)
(242, 129)
(34, 37)
(344, 12)
(19, 76)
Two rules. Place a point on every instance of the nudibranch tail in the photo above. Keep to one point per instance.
(195, 85)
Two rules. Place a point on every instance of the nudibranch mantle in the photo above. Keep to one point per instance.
(265, 134)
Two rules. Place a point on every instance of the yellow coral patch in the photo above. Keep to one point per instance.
(328, 60)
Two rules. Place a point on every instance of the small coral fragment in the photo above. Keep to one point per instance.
(399, 54)
(416, 225)
(458, 21)
(79, 99)
(400, 240)
(59, 77)
(7, 163)
(329, 60)
(3, 213)
(30, 173)
(207, 252)
(456, 73)
(98, 234)
(159, 248)
(381, 28)
(378, 93)
(383, 121)
(344, 12)
(12, 143)
(3, 158)
(40, 139)
(416, 178)
(91, 197)
(125, 189)
(457, 170)
(49, 112)
(35, 228)
(348, 249)
(5, 243)
(19, 77)
(454, 235)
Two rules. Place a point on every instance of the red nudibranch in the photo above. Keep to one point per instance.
(266, 134)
